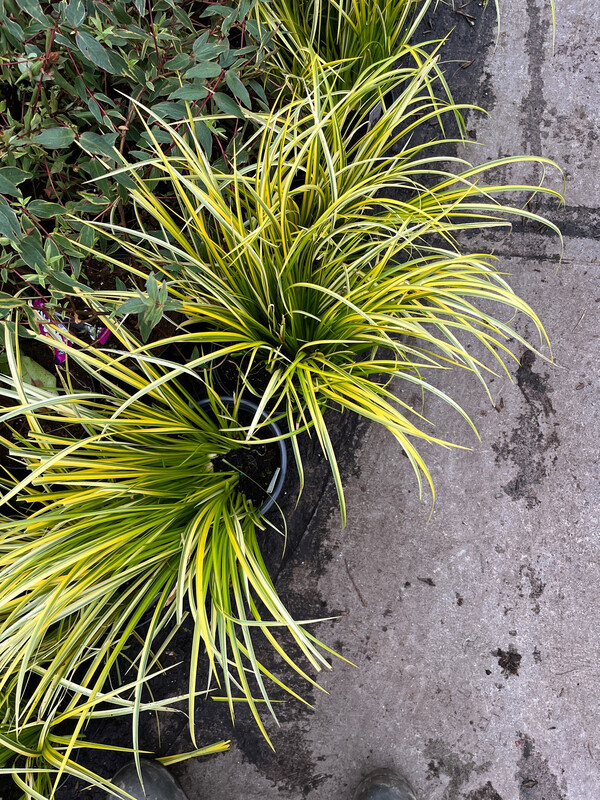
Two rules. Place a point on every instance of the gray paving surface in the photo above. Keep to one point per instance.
(505, 576)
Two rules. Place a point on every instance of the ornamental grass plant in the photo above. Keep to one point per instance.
(124, 520)
(332, 261)
(352, 34)
(44, 748)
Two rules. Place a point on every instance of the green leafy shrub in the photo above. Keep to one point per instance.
(67, 72)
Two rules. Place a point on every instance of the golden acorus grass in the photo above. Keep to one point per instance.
(333, 259)
(122, 519)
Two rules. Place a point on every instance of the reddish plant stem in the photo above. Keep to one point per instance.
(44, 65)
(125, 127)
(31, 285)
(19, 61)
(47, 168)
(153, 32)
(39, 225)
(222, 151)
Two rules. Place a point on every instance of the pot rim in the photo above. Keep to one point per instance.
(251, 407)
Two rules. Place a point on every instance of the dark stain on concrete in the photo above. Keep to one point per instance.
(463, 59)
(433, 771)
(509, 660)
(444, 762)
(534, 387)
(486, 792)
(534, 777)
(291, 766)
(564, 127)
(534, 441)
(575, 222)
(536, 585)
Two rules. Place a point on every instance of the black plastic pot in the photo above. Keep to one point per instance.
(275, 487)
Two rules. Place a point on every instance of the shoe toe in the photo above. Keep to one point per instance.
(158, 783)
(384, 784)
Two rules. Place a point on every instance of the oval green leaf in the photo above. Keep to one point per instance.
(227, 105)
(45, 210)
(98, 144)
(55, 138)
(94, 51)
(232, 80)
(205, 70)
(75, 13)
(8, 187)
(189, 92)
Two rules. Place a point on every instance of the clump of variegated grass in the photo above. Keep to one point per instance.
(353, 34)
(42, 748)
(129, 520)
(337, 244)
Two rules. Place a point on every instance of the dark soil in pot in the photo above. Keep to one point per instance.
(262, 467)
(80, 380)
(256, 467)
(230, 374)
(226, 371)
(45, 357)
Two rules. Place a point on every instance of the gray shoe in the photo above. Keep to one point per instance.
(383, 784)
(158, 783)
